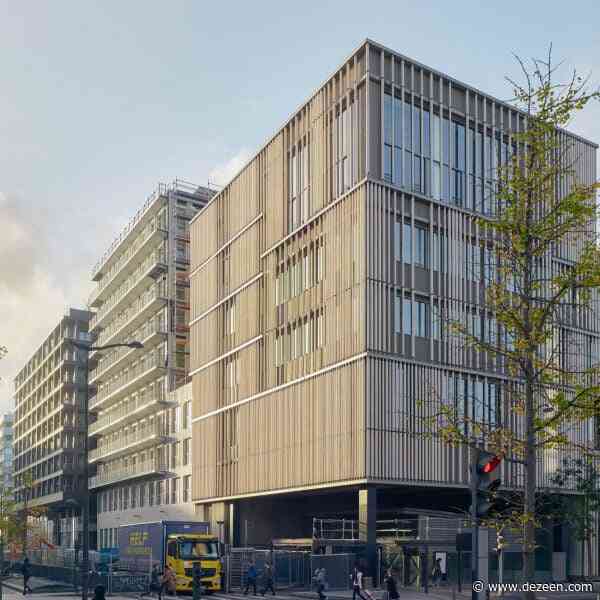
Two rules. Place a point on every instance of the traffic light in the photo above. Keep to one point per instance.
(485, 481)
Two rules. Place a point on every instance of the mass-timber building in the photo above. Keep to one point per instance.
(137, 436)
(316, 275)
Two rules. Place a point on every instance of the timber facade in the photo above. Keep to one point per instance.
(316, 277)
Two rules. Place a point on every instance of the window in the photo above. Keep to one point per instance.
(421, 318)
(186, 451)
(458, 167)
(398, 240)
(387, 137)
(398, 312)
(187, 488)
(435, 157)
(445, 195)
(421, 247)
(407, 316)
(229, 317)
(397, 172)
(436, 319)
(175, 490)
(406, 243)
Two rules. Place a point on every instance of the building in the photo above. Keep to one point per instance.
(316, 273)
(142, 294)
(6, 451)
(49, 429)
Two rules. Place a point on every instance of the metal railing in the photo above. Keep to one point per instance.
(140, 435)
(146, 234)
(139, 469)
(147, 362)
(178, 185)
(159, 256)
(160, 191)
(126, 410)
(152, 327)
(155, 292)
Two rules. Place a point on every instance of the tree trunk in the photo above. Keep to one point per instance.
(529, 492)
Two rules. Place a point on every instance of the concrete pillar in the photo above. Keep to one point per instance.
(232, 528)
(367, 527)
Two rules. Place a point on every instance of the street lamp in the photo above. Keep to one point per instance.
(88, 347)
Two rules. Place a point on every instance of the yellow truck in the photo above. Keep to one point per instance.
(178, 544)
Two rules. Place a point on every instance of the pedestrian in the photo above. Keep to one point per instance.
(390, 585)
(197, 581)
(250, 578)
(356, 579)
(26, 572)
(268, 579)
(168, 583)
(155, 585)
(436, 574)
(99, 592)
(321, 580)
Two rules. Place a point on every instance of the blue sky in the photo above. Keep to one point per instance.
(101, 100)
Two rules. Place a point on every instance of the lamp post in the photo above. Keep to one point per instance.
(87, 347)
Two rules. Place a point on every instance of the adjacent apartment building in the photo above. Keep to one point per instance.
(315, 279)
(138, 435)
(49, 429)
(6, 451)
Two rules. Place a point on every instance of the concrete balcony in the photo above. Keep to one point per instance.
(141, 311)
(137, 471)
(132, 287)
(135, 409)
(150, 238)
(114, 254)
(144, 437)
(151, 334)
(150, 367)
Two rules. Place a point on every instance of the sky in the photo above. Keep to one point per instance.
(101, 100)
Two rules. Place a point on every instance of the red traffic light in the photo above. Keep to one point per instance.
(491, 464)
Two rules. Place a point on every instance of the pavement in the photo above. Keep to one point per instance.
(44, 589)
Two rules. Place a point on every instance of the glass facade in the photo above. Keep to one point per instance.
(428, 153)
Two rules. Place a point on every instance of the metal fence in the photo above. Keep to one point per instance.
(291, 569)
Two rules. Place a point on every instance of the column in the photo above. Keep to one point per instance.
(367, 528)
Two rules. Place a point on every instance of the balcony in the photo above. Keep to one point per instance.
(150, 334)
(152, 236)
(141, 310)
(133, 286)
(111, 260)
(132, 410)
(150, 367)
(141, 438)
(135, 471)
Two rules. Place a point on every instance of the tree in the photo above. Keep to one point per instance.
(580, 474)
(541, 208)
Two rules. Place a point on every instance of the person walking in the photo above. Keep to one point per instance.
(356, 578)
(168, 583)
(155, 585)
(250, 578)
(268, 579)
(26, 572)
(436, 574)
(321, 581)
(390, 586)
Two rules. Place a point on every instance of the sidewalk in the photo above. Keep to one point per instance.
(435, 593)
(38, 585)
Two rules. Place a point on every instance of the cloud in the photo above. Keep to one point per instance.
(222, 174)
(36, 286)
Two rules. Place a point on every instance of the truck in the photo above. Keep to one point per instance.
(178, 544)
